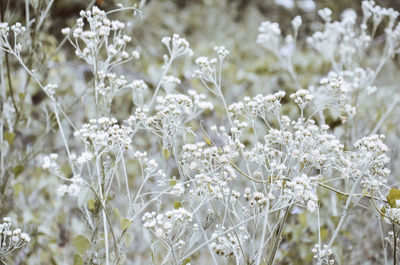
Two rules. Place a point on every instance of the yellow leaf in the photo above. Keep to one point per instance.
(18, 187)
(9, 137)
(177, 205)
(392, 197)
(125, 223)
(91, 204)
(81, 244)
(18, 170)
(166, 153)
(207, 140)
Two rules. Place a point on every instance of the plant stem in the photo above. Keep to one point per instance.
(278, 237)
(394, 244)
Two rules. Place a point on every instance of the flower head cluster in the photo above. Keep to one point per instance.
(150, 166)
(207, 71)
(227, 244)
(17, 29)
(50, 162)
(258, 199)
(101, 43)
(174, 110)
(339, 89)
(170, 82)
(392, 215)
(109, 83)
(306, 142)
(177, 46)
(105, 133)
(50, 90)
(301, 190)
(222, 52)
(339, 39)
(140, 115)
(323, 254)
(269, 35)
(72, 189)
(167, 225)
(139, 88)
(11, 239)
(377, 13)
(210, 167)
(371, 162)
(258, 106)
(302, 97)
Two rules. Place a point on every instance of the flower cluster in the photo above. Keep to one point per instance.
(227, 244)
(168, 224)
(110, 83)
(302, 97)
(103, 46)
(371, 162)
(102, 32)
(258, 198)
(72, 189)
(50, 90)
(211, 166)
(170, 82)
(301, 190)
(139, 88)
(11, 239)
(258, 106)
(339, 39)
(323, 254)
(105, 133)
(176, 46)
(269, 35)
(173, 111)
(50, 162)
(17, 30)
(207, 71)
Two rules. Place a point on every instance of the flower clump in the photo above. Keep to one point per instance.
(11, 239)
(105, 133)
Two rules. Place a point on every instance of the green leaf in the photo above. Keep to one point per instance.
(81, 244)
(207, 140)
(383, 211)
(21, 96)
(128, 239)
(172, 182)
(186, 261)
(166, 153)
(9, 137)
(116, 212)
(392, 197)
(78, 260)
(324, 233)
(177, 205)
(18, 170)
(18, 187)
(91, 204)
(125, 223)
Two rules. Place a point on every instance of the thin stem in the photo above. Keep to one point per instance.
(344, 214)
(63, 137)
(103, 211)
(278, 237)
(126, 178)
(160, 81)
(394, 244)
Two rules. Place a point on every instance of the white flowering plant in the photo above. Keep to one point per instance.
(167, 153)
